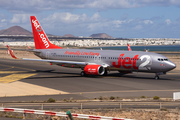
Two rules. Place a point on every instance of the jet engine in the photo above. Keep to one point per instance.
(94, 70)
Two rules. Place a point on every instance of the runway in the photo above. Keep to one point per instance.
(37, 81)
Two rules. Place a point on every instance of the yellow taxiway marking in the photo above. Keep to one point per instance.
(14, 77)
(16, 67)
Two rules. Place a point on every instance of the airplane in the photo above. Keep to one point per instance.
(96, 62)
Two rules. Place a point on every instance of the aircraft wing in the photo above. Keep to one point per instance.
(57, 62)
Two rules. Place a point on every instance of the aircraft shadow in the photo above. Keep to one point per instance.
(75, 75)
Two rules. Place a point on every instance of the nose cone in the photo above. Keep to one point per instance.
(170, 65)
(173, 66)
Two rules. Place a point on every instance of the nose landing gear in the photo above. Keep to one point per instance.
(156, 77)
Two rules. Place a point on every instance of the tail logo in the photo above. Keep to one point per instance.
(36, 24)
(41, 35)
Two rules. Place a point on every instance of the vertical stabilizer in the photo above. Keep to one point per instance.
(40, 38)
(129, 48)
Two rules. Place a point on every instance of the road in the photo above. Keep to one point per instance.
(66, 83)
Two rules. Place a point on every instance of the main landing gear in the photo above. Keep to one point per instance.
(105, 73)
(156, 77)
(83, 73)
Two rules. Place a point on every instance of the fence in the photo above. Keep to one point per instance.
(96, 105)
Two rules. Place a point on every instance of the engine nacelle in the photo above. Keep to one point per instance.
(94, 70)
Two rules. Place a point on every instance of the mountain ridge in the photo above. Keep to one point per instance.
(15, 30)
(18, 30)
(101, 35)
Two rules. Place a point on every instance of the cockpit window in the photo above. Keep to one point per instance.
(162, 59)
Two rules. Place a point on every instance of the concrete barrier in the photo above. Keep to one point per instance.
(62, 114)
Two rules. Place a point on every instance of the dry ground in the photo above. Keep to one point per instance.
(135, 114)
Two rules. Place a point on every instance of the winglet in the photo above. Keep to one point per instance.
(129, 48)
(12, 54)
(40, 38)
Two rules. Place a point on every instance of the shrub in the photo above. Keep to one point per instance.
(118, 97)
(112, 98)
(65, 100)
(51, 100)
(100, 98)
(163, 109)
(156, 98)
(143, 96)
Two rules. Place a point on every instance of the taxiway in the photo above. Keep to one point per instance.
(37, 81)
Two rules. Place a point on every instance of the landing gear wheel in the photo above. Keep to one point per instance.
(157, 77)
(105, 73)
(83, 73)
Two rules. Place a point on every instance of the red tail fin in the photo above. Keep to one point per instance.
(129, 48)
(11, 52)
(40, 38)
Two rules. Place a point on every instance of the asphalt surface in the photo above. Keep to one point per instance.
(69, 80)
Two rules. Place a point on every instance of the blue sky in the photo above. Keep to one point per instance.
(117, 18)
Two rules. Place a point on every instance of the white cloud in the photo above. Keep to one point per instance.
(61, 23)
(138, 27)
(117, 23)
(20, 18)
(96, 17)
(175, 2)
(35, 6)
(168, 21)
(3, 20)
(130, 20)
(65, 17)
(113, 4)
(94, 26)
(148, 22)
